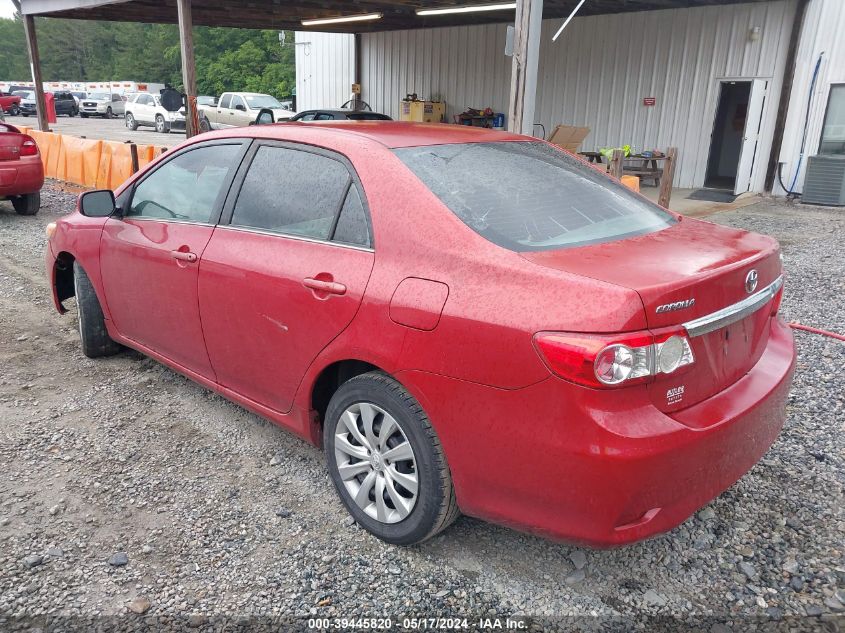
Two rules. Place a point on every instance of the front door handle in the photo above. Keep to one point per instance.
(182, 256)
(329, 287)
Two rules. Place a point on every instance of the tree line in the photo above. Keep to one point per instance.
(227, 59)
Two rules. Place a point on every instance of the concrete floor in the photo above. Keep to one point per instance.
(680, 202)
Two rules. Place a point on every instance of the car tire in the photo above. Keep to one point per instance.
(205, 126)
(131, 123)
(14, 110)
(93, 334)
(83, 115)
(161, 125)
(405, 516)
(109, 113)
(28, 204)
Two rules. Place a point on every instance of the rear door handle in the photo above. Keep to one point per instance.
(183, 256)
(330, 287)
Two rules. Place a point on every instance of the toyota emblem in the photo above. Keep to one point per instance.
(751, 282)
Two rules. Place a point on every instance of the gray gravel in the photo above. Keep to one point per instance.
(221, 515)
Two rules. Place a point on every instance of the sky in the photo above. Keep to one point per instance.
(6, 8)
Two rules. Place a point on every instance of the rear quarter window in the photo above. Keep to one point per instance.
(531, 196)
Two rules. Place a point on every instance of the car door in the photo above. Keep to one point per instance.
(118, 105)
(285, 271)
(223, 112)
(239, 113)
(150, 257)
(138, 108)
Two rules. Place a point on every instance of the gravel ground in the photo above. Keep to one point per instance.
(129, 495)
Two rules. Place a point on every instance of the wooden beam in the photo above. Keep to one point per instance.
(668, 178)
(786, 92)
(189, 68)
(35, 67)
(526, 61)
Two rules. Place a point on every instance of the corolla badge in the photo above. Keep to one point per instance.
(678, 305)
(751, 281)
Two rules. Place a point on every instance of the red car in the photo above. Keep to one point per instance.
(21, 170)
(10, 103)
(465, 320)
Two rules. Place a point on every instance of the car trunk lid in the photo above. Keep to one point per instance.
(10, 143)
(684, 275)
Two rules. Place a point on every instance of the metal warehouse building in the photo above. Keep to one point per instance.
(737, 88)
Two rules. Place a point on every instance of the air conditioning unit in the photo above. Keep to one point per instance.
(825, 181)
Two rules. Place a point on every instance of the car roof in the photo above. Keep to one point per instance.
(391, 134)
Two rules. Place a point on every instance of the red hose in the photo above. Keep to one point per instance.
(807, 328)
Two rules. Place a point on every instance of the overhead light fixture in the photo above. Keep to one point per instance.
(568, 20)
(470, 9)
(366, 17)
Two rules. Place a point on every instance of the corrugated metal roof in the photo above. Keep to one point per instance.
(282, 14)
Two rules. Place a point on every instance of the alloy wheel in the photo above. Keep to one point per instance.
(376, 462)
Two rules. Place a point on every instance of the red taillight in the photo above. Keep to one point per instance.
(603, 361)
(29, 147)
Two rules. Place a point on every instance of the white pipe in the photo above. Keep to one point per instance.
(568, 20)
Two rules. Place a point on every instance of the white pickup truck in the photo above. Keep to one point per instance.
(236, 109)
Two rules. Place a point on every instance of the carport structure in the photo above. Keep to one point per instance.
(394, 15)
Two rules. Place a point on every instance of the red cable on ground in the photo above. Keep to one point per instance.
(807, 328)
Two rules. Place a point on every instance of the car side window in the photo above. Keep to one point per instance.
(291, 191)
(352, 225)
(187, 187)
(225, 101)
(237, 101)
(323, 116)
(307, 117)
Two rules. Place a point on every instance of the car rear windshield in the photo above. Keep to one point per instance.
(531, 196)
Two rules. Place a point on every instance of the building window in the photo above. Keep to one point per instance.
(833, 132)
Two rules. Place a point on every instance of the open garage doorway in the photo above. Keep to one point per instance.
(733, 144)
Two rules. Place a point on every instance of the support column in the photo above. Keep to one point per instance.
(526, 61)
(35, 66)
(189, 69)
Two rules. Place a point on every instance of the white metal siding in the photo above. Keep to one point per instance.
(598, 72)
(823, 32)
(325, 69)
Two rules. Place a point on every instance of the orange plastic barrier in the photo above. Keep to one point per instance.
(115, 165)
(45, 145)
(88, 162)
(79, 160)
(632, 182)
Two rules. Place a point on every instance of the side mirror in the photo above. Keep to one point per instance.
(265, 117)
(240, 107)
(97, 204)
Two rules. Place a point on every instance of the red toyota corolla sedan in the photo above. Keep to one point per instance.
(466, 321)
(21, 170)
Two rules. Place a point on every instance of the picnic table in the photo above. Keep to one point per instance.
(647, 167)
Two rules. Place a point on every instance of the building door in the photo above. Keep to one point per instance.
(736, 130)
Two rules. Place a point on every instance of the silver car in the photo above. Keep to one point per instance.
(102, 104)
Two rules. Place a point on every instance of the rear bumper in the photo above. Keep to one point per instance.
(603, 468)
(25, 175)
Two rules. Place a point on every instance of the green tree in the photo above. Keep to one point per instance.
(78, 50)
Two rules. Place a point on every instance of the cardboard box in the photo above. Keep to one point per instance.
(422, 111)
(569, 137)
